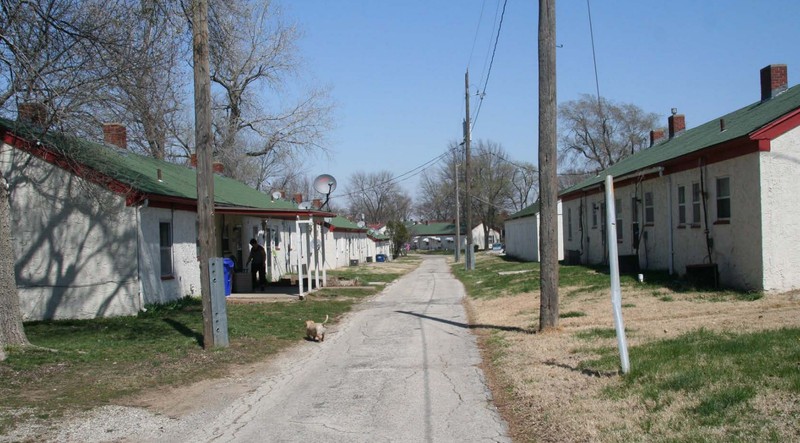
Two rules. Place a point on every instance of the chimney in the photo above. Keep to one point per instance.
(217, 167)
(115, 134)
(676, 123)
(316, 203)
(298, 198)
(193, 161)
(32, 113)
(774, 80)
(283, 194)
(656, 136)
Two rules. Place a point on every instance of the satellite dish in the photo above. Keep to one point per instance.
(276, 195)
(361, 223)
(304, 205)
(325, 184)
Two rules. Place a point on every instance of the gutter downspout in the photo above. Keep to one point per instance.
(671, 227)
(139, 254)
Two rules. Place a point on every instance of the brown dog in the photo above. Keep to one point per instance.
(316, 331)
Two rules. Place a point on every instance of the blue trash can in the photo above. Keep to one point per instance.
(228, 265)
(380, 258)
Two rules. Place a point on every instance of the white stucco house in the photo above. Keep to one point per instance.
(718, 199)
(431, 236)
(101, 231)
(522, 234)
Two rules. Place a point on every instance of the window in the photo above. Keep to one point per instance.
(569, 224)
(696, 203)
(649, 210)
(681, 205)
(165, 240)
(618, 212)
(724, 198)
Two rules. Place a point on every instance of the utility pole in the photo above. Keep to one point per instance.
(205, 176)
(458, 210)
(469, 256)
(548, 184)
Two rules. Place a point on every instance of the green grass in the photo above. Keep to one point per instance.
(719, 373)
(94, 362)
(572, 314)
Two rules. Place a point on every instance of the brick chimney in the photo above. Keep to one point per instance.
(656, 136)
(115, 134)
(316, 203)
(193, 161)
(677, 124)
(32, 113)
(774, 80)
(217, 167)
(298, 198)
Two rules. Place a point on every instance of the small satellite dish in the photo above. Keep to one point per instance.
(276, 195)
(361, 223)
(304, 205)
(325, 184)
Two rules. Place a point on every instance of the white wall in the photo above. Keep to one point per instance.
(74, 243)
(781, 214)
(522, 237)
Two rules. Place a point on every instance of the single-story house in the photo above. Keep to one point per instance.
(429, 236)
(102, 231)
(346, 243)
(715, 201)
(522, 234)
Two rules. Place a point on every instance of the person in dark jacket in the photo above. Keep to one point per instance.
(258, 257)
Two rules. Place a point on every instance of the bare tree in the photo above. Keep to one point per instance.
(378, 196)
(596, 133)
(492, 190)
(253, 51)
(11, 329)
(525, 185)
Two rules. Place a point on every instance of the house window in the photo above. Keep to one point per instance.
(681, 205)
(618, 212)
(165, 242)
(595, 209)
(569, 224)
(696, 195)
(723, 198)
(649, 210)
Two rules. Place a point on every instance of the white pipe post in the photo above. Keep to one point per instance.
(613, 260)
(299, 258)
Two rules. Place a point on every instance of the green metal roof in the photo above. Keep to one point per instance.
(140, 172)
(738, 124)
(433, 229)
(340, 222)
(525, 212)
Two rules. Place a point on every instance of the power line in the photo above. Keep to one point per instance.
(594, 56)
(491, 62)
(477, 29)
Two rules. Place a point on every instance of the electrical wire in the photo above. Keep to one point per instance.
(491, 63)
(477, 30)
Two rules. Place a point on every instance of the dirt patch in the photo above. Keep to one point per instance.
(536, 380)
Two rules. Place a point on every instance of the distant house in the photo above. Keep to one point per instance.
(102, 231)
(442, 236)
(346, 243)
(716, 200)
(522, 234)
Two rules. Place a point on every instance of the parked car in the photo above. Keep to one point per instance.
(498, 248)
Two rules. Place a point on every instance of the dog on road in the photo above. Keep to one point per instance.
(316, 331)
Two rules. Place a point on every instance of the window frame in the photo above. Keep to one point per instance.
(649, 209)
(697, 195)
(618, 218)
(723, 198)
(165, 245)
(681, 205)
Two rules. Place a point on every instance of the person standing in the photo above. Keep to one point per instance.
(258, 257)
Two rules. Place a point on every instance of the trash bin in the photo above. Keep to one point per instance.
(227, 266)
(380, 258)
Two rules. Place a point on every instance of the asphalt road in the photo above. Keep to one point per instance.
(403, 368)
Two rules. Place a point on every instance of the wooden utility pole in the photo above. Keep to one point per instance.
(548, 179)
(205, 176)
(469, 256)
(458, 210)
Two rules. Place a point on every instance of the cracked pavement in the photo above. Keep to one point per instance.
(402, 367)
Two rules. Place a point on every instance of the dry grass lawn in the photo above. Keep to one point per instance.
(545, 396)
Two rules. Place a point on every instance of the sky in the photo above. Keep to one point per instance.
(396, 69)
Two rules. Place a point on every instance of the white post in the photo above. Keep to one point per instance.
(299, 258)
(613, 260)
